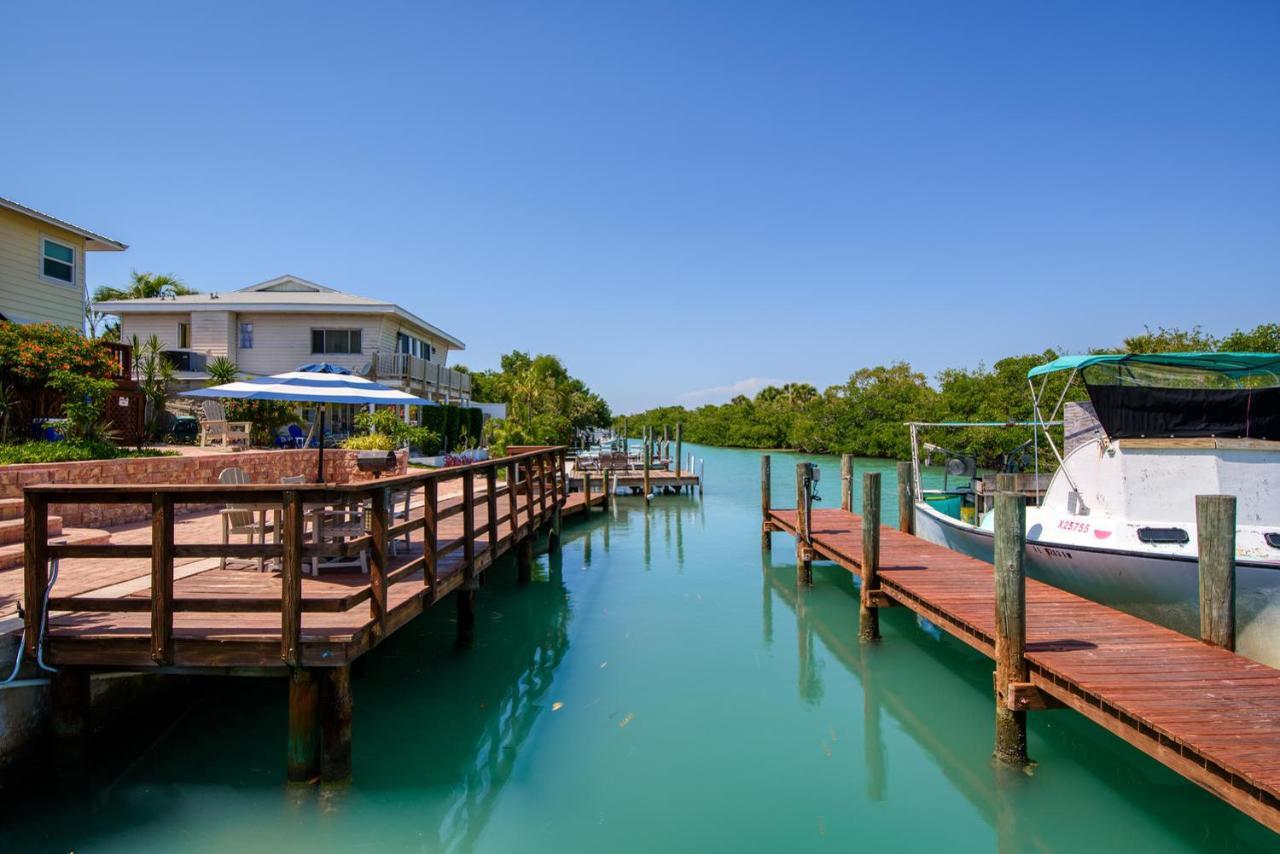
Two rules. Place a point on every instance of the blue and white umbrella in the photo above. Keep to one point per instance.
(318, 383)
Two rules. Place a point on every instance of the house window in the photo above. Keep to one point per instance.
(413, 346)
(58, 261)
(335, 341)
(184, 336)
(246, 336)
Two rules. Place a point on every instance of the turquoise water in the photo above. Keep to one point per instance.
(660, 685)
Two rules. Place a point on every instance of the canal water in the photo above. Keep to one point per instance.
(661, 685)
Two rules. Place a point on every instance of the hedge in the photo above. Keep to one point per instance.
(456, 425)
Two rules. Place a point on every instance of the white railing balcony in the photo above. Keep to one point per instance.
(418, 372)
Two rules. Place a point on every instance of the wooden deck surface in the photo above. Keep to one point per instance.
(1208, 714)
(210, 621)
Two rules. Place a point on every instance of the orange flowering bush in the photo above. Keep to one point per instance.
(31, 355)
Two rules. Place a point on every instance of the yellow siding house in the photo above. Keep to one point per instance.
(42, 263)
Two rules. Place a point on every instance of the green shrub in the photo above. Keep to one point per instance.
(69, 452)
(370, 442)
(387, 423)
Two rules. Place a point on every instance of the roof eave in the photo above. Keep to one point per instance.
(94, 242)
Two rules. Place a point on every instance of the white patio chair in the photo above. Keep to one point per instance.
(215, 428)
(241, 519)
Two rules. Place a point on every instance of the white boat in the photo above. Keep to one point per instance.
(1116, 523)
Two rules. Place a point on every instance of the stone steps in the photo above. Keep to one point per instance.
(11, 555)
(11, 529)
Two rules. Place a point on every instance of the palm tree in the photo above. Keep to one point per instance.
(145, 286)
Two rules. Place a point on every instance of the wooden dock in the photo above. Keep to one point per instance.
(1209, 714)
(160, 601)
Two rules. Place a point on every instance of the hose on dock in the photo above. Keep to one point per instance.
(22, 638)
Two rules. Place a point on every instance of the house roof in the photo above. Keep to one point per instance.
(282, 294)
(93, 240)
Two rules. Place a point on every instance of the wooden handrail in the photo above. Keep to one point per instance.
(543, 470)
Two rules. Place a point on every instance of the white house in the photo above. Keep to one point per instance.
(281, 324)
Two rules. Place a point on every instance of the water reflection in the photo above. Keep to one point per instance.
(938, 693)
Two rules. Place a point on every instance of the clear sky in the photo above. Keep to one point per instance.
(679, 199)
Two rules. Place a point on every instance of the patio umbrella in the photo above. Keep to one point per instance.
(317, 383)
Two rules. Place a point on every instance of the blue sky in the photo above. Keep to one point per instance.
(679, 199)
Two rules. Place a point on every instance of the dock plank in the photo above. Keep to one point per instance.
(1211, 715)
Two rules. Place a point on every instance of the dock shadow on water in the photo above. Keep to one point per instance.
(658, 684)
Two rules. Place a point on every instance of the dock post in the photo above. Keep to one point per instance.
(335, 725)
(465, 610)
(1011, 622)
(304, 725)
(846, 482)
(1216, 541)
(524, 560)
(804, 554)
(69, 705)
(648, 454)
(868, 612)
(766, 485)
(906, 504)
(586, 491)
(679, 450)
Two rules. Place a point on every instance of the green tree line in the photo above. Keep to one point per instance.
(545, 404)
(865, 415)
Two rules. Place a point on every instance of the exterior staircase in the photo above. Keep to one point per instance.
(11, 510)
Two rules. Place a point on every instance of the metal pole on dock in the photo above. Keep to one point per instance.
(906, 506)
(626, 441)
(766, 528)
(846, 482)
(1216, 542)
(804, 554)
(868, 610)
(1011, 620)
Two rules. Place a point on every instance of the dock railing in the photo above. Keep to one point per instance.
(536, 475)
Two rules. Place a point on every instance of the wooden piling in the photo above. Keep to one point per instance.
(336, 704)
(586, 490)
(648, 452)
(846, 482)
(804, 554)
(766, 485)
(906, 502)
(1011, 625)
(868, 612)
(303, 763)
(465, 610)
(1216, 542)
(679, 450)
(69, 707)
(524, 560)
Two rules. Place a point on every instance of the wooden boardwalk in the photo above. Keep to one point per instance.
(157, 598)
(1208, 714)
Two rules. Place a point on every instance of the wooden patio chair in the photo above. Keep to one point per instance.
(243, 520)
(215, 428)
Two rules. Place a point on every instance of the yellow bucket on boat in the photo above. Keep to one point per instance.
(967, 515)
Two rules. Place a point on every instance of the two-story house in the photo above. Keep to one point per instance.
(284, 323)
(42, 262)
